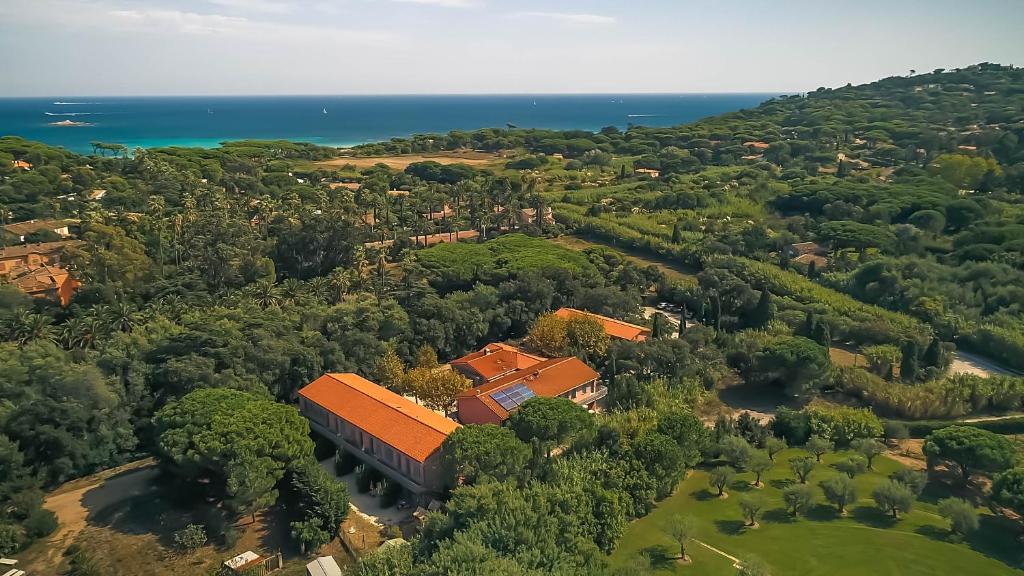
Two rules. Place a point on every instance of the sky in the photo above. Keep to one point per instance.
(235, 47)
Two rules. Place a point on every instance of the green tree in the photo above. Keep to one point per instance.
(798, 364)
(751, 506)
(736, 451)
(310, 535)
(840, 491)
(971, 448)
(914, 480)
(893, 498)
(773, 446)
(553, 421)
(243, 443)
(798, 498)
(963, 518)
(681, 529)
(395, 559)
(719, 478)
(473, 453)
(688, 431)
(818, 447)
(1008, 489)
(802, 466)
(753, 566)
(852, 466)
(869, 448)
(759, 462)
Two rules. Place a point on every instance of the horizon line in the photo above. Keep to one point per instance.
(409, 94)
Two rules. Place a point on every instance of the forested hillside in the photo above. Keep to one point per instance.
(256, 267)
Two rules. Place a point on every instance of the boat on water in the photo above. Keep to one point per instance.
(70, 123)
(325, 110)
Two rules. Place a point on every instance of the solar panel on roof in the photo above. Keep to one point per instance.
(513, 396)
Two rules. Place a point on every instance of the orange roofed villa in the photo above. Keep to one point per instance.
(396, 436)
(493, 401)
(493, 361)
(612, 327)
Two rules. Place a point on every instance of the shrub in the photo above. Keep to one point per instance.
(792, 425)
(893, 498)
(190, 538)
(963, 518)
(11, 539)
(391, 494)
(41, 522)
(842, 425)
(852, 466)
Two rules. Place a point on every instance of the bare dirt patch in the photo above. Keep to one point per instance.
(399, 162)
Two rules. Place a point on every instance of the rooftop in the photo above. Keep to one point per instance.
(496, 360)
(408, 427)
(612, 327)
(549, 378)
(29, 226)
(22, 250)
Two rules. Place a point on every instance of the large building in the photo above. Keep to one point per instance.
(493, 361)
(397, 436)
(35, 270)
(612, 327)
(492, 402)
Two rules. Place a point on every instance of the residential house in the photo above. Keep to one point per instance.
(46, 281)
(22, 229)
(492, 402)
(395, 435)
(32, 255)
(756, 145)
(21, 165)
(648, 172)
(529, 216)
(807, 252)
(613, 328)
(493, 361)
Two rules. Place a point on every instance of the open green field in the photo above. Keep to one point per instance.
(822, 543)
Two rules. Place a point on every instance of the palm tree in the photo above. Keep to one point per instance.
(74, 333)
(25, 327)
(292, 290)
(122, 317)
(319, 288)
(264, 294)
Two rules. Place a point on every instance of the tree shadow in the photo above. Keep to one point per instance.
(781, 483)
(704, 494)
(822, 513)
(741, 486)
(660, 556)
(730, 527)
(872, 516)
(778, 515)
(935, 533)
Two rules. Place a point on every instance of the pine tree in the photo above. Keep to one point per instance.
(909, 366)
(810, 324)
(682, 321)
(677, 234)
(822, 334)
(657, 331)
(622, 172)
(812, 270)
(843, 169)
(934, 355)
(762, 312)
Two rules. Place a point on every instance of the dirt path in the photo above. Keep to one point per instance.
(967, 363)
(75, 501)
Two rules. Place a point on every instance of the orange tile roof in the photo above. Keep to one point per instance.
(22, 250)
(402, 424)
(612, 327)
(496, 360)
(21, 164)
(549, 378)
(756, 144)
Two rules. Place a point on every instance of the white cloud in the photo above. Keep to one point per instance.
(261, 6)
(569, 17)
(446, 3)
(183, 22)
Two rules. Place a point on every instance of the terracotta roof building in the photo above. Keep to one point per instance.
(393, 434)
(614, 328)
(32, 255)
(21, 165)
(21, 229)
(648, 172)
(492, 402)
(493, 361)
(46, 281)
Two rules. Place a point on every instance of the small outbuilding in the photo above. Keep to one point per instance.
(323, 566)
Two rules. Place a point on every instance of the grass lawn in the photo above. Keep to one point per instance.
(822, 543)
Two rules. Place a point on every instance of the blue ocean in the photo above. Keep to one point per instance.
(336, 120)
